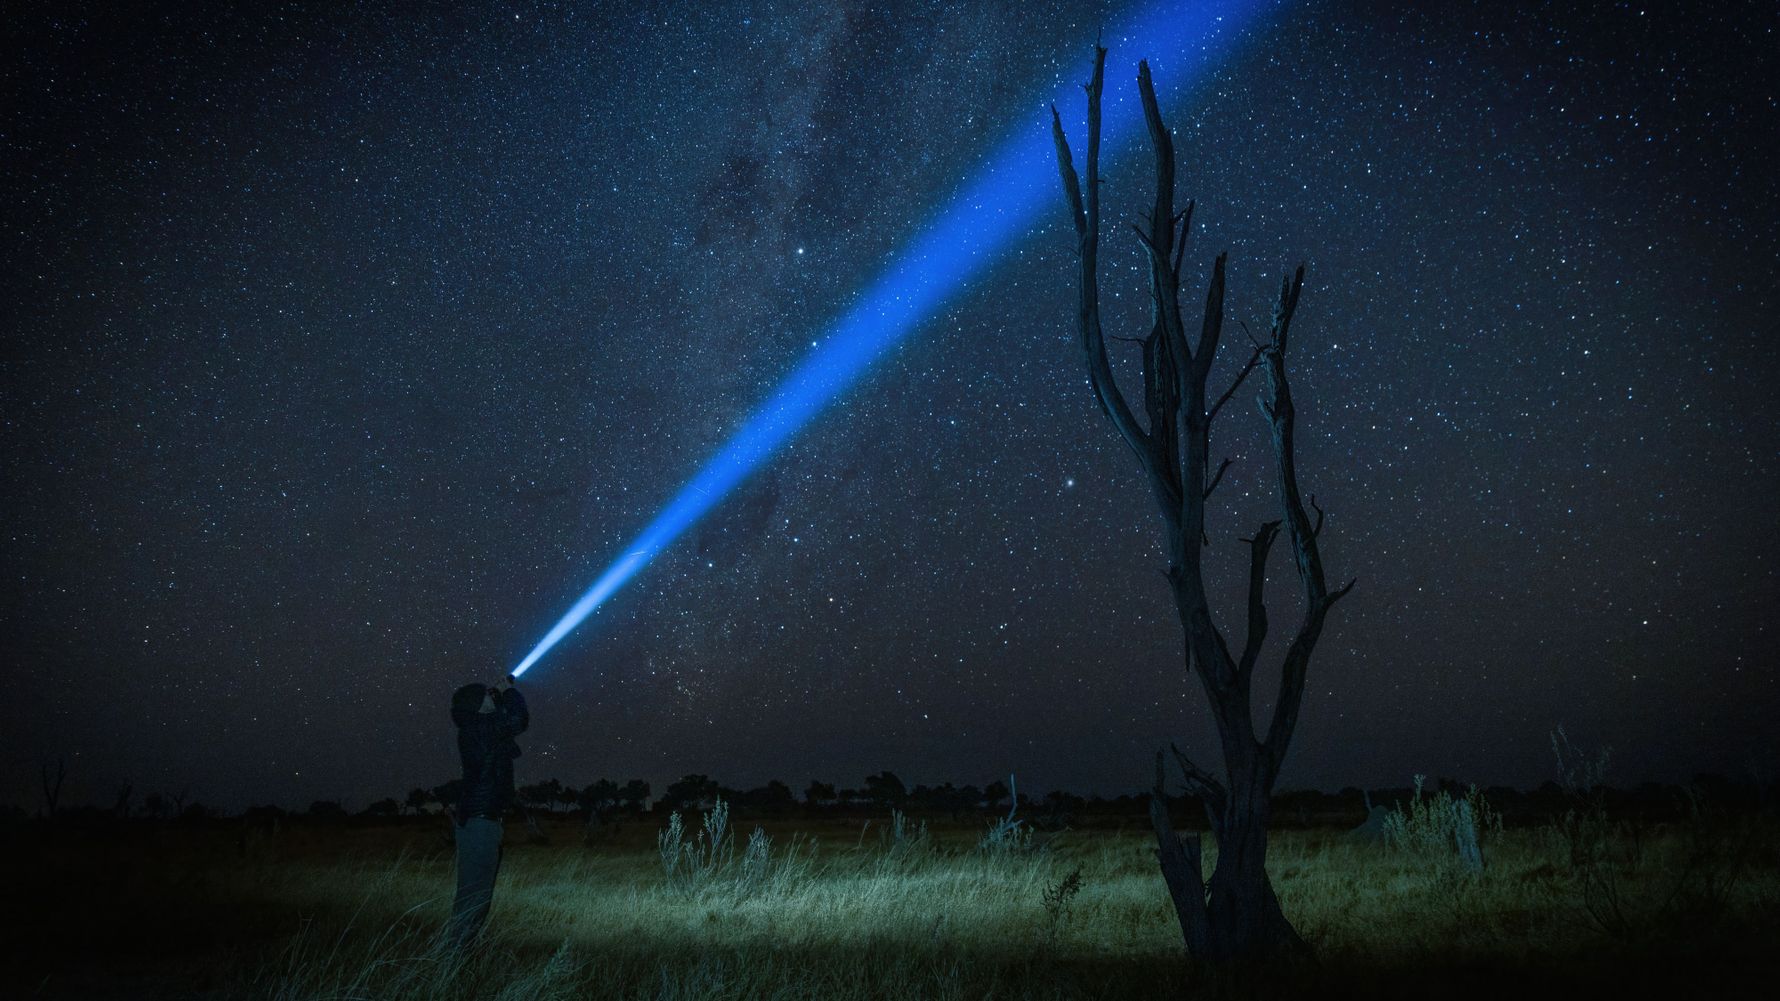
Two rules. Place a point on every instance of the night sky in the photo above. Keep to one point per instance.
(344, 348)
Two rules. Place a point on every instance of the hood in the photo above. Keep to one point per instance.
(466, 702)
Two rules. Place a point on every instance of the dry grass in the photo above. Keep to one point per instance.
(320, 913)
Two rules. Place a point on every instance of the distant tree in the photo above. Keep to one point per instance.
(941, 798)
(600, 801)
(692, 792)
(774, 797)
(995, 794)
(885, 789)
(121, 807)
(544, 795)
(567, 797)
(447, 794)
(383, 808)
(195, 812)
(155, 805)
(52, 787)
(327, 809)
(1235, 915)
(599, 797)
(1060, 808)
(634, 795)
(819, 793)
(968, 799)
(418, 800)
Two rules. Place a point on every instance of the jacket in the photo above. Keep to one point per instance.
(486, 747)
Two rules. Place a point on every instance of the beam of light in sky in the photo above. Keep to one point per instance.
(1018, 182)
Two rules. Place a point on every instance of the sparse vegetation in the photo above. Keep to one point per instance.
(351, 911)
(906, 836)
(1442, 829)
(1007, 835)
(1634, 883)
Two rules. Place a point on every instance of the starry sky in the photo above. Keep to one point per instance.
(346, 346)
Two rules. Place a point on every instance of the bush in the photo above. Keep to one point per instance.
(906, 837)
(708, 859)
(1007, 835)
(1443, 829)
(1634, 888)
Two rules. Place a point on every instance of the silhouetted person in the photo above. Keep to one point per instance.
(487, 721)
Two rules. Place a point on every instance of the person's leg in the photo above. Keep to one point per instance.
(478, 860)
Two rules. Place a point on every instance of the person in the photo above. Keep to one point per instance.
(487, 718)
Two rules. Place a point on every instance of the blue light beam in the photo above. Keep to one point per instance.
(1002, 204)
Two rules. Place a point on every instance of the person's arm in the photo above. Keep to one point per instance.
(511, 705)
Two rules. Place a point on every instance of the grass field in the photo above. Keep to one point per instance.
(829, 911)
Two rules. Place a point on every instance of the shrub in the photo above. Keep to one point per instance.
(1007, 835)
(906, 837)
(1059, 898)
(1443, 829)
(708, 858)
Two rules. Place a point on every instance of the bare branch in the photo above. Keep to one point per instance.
(1185, 218)
(1161, 395)
(1246, 332)
(1212, 327)
(1289, 288)
(1217, 477)
(52, 788)
(1259, 546)
(1181, 871)
(1085, 208)
(1164, 283)
(1281, 418)
(1147, 245)
(1200, 782)
(1247, 367)
(1317, 529)
(1072, 184)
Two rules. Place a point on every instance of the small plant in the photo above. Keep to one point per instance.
(1059, 898)
(1629, 887)
(670, 844)
(718, 845)
(1443, 828)
(757, 861)
(708, 859)
(906, 837)
(690, 864)
(1007, 835)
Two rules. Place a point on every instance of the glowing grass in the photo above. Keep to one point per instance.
(953, 923)
(334, 912)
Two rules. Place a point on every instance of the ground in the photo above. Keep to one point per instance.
(846, 909)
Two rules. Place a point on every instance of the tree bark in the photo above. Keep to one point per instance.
(1234, 915)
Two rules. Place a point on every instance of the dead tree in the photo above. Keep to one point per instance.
(1235, 914)
(52, 788)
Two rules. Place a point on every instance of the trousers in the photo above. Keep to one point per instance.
(478, 861)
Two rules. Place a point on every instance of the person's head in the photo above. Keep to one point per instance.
(468, 700)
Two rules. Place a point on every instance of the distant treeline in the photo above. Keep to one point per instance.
(607, 800)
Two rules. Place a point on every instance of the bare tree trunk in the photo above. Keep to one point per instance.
(1235, 914)
(52, 788)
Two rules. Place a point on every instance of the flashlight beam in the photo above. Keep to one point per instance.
(1001, 205)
